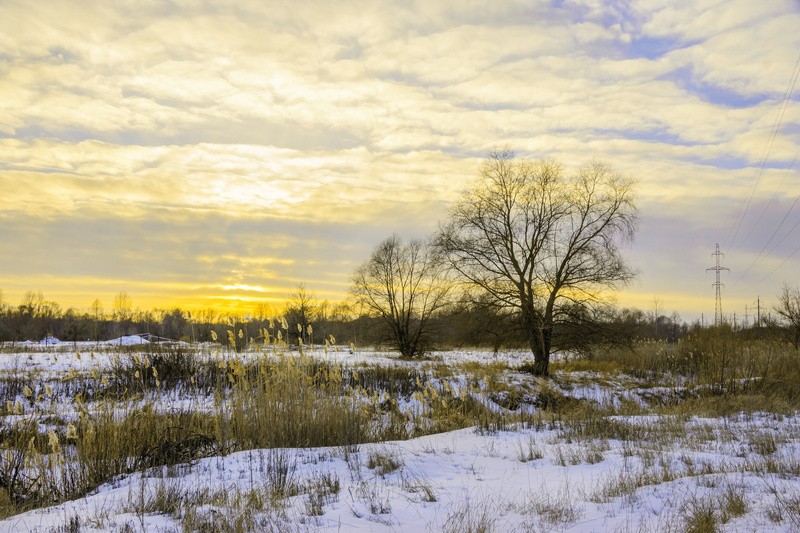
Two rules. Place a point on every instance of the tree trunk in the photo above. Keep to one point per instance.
(540, 366)
(540, 340)
(406, 346)
(540, 337)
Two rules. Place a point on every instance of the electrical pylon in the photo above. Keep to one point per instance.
(718, 285)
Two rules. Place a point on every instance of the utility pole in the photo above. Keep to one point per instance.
(758, 312)
(718, 285)
(746, 317)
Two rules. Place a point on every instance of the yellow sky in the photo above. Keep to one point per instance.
(199, 156)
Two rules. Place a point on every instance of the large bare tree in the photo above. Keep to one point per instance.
(403, 284)
(540, 241)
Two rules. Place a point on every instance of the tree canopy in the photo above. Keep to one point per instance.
(540, 240)
(402, 283)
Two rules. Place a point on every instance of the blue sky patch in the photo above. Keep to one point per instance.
(686, 79)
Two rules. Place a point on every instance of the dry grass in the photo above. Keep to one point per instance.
(274, 401)
(114, 425)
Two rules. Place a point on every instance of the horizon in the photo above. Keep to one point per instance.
(200, 156)
(274, 309)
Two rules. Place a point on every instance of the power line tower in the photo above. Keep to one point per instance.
(758, 312)
(718, 285)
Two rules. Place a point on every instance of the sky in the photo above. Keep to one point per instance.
(207, 154)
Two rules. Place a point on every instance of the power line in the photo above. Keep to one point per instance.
(772, 199)
(758, 312)
(744, 207)
(777, 267)
(780, 224)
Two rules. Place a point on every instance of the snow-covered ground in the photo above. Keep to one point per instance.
(741, 472)
(457, 480)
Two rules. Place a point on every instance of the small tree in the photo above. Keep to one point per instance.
(74, 326)
(540, 241)
(122, 312)
(206, 319)
(174, 324)
(301, 311)
(96, 312)
(789, 308)
(403, 284)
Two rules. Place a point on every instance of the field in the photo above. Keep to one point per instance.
(698, 436)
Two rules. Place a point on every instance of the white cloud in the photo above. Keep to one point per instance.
(378, 113)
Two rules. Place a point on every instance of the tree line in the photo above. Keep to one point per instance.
(461, 324)
(36, 318)
(304, 318)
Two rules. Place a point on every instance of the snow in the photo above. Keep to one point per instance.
(128, 340)
(125, 340)
(467, 473)
(520, 479)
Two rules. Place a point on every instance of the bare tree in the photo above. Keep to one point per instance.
(658, 308)
(540, 241)
(122, 312)
(205, 320)
(96, 312)
(404, 285)
(789, 308)
(300, 312)
(122, 309)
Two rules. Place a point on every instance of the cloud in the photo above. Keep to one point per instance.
(91, 177)
(159, 141)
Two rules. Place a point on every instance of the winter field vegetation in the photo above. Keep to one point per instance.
(698, 434)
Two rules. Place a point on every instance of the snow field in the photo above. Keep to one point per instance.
(580, 464)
